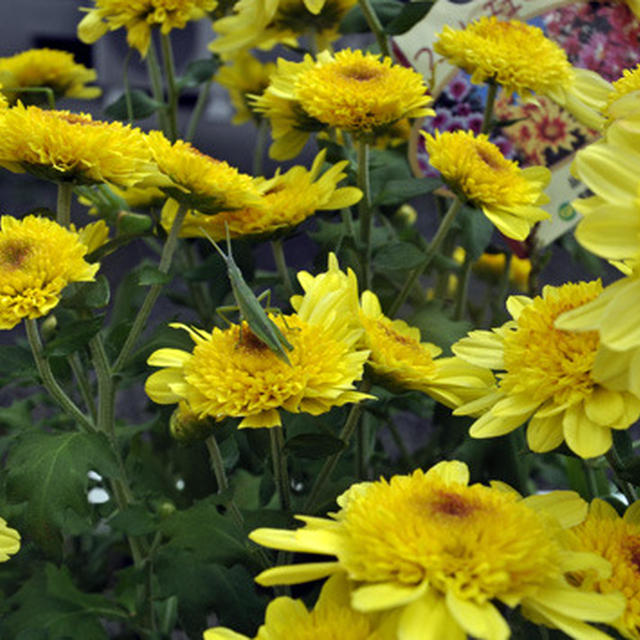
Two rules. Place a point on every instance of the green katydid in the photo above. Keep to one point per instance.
(249, 305)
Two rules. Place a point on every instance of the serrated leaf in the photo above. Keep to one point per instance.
(149, 275)
(397, 192)
(437, 327)
(410, 15)
(396, 256)
(199, 72)
(314, 445)
(142, 106)
(72, 336)
(49, 473)
(476, 231)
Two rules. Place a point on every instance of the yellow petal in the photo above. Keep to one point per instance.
(297, 573)
(490, 426)
(168, 358)
(482, 621)
(482, 348)
(161, 384)
(545, 433)
(604, 407)
(567, 507)
(584, 437)
(388, 595)
(304, 540)
(428, 618)
(632, 514)
(582, 605)
(450, 471)
(221, 633)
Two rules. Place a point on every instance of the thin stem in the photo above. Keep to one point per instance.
(199, 291)
(127, 86)
(155, 75)
(430, 253)
(487, 118)
(615, 462)
(83, 384)
(364, 210)
(198, 110)
(361, 463)
(154, 291)
(463, 288)
(330, 463)
(281, 265)
(258, 149)
(375, 26)
(63, 205)
(280, 472)
(172, 89)
(48, 379)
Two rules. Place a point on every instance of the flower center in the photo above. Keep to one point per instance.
(248, 340)
(546, 362)
(360, 73)
(14, 254)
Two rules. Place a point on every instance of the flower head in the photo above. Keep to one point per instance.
(440, 552)
(499, 51)
(623, 99)
(200, 181)
(548, 376)
(351, 91)
(617, 540)
(9, 541)
(286, 200)
(265, 23)
(232, 373)
(72, 147)
(46, 68)
(476, 170)
(138, 17)
(331, 617)
(38, 259)
(402, 360)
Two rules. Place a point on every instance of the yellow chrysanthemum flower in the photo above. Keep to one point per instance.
(200, 181)
(72, 147)
(287, 200)
(617, 540)
(245, 76)
(437, 553)
(549, 377)
(492, 265)
(624, 98)
(138, 17)
(46, 68)
(331, 617)
(476, 171)
(265, 23)
(402, 360)
(9, 541)
(38, 259)
(351, 91)
(500, 51)
(231, 373)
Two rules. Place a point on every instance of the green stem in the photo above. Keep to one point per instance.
(63, 205)
(127, 86)
(590, 479)
(463, 288)
(487, 118)
(152, 295)
(375, 27)
(615, 462)
(200, 294)
(364, 210)
(258, 149)
(430, 253)
(330, 463)
(198, 110)
(280, 472)
(83, 384)
(155, 75)
(361, 463)
(172, 89)
(281, 265)
(48, 379)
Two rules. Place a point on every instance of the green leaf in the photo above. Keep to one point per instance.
(86, 295)
(355, 22)
(410, 15)
(142, 106)
(198, 72)
(314, 445)
(49, 473)
(476, 231)
(72, 336)
(396, 192)
(437, 327)
(149, 275)
(16, 362)
(134, 521)
(397, 256)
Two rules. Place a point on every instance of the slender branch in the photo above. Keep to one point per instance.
(430, 253)
(615, 462)
(48, 379)
(172, 89)
(463, 288)
(154, 291)
(198, 110)
(281, 265)
(258, 149)
(487, 118)
(83, 384)
(375, 26)
(280, 472)
(155, 75)
(364, 210)
(127, 86)
(63, 205)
